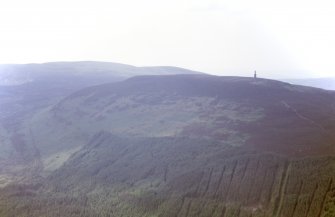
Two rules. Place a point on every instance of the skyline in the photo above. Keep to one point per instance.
(287, 39)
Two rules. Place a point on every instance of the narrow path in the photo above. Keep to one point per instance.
(302, 116)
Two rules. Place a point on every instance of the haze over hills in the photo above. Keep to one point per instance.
(324, 83)
(14, 74)
(106, 139)
(174, 145)
(43, 83)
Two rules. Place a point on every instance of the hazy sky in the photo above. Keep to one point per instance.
(286, 38)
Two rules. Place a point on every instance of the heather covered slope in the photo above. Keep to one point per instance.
(263, 114)
(181, 145)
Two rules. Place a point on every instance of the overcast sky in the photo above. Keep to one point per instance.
(279, 39)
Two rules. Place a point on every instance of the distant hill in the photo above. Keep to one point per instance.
(43, 84)
(80, 72)
(324, 83)
(26, 89)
